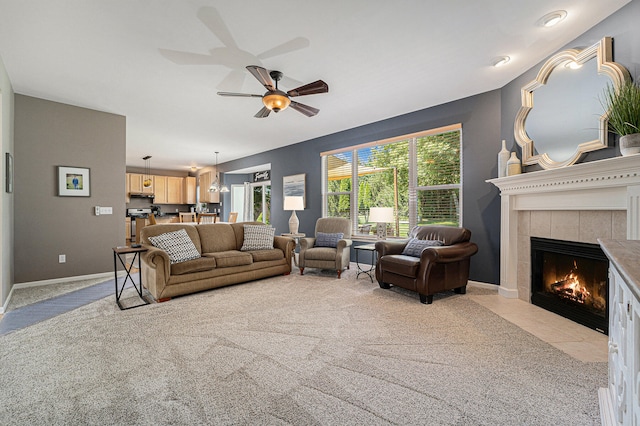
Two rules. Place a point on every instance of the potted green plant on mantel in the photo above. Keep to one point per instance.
(623, 105)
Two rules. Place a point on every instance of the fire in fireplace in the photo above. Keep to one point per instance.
(571, 279)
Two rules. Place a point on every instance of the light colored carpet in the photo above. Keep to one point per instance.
(292, 350)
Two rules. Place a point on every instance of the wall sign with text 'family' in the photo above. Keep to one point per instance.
(262, 176)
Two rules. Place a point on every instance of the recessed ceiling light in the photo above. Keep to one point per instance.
(552, 18)
(498, 62)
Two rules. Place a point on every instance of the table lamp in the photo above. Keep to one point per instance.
(293, 203)
(382, 216)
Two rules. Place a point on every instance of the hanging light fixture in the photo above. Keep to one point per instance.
(147, 171)
(215, 185)
(276, 100)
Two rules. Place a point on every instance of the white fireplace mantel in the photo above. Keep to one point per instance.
(611, 184)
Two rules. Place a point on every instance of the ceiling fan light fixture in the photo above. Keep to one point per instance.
(276, 101)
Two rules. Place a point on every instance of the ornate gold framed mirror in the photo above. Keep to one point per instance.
(567, 121)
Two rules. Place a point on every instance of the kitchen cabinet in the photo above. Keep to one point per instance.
(189, 190)
(127, 184)
(174, 190)
(166, 189)
(160, 190)
(620, 401)
(205, 182)
(136, 181)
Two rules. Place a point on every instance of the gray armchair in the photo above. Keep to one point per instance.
(326, 257)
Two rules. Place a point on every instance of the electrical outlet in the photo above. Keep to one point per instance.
(97, 210)
(62, 258)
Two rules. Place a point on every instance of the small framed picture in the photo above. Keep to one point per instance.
(73, 182)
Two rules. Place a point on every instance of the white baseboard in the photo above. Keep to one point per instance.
(508, 293)
(4, 307)
(483, 285)
(66, 279)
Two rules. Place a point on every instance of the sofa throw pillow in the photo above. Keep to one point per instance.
(415, 246)
(258, 237)
(324, 239)
(177, 244)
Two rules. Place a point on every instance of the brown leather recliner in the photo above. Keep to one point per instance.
(437, 269)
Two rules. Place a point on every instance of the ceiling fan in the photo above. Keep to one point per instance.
(275, 99)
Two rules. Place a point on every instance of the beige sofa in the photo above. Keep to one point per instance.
(221, 262)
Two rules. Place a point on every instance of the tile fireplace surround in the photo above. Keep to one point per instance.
(583, 202)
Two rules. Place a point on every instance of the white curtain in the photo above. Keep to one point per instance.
(248, 207)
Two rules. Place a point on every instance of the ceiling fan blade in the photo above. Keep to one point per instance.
(264, 112)
(212, 19)
(310, 89)
(243, 95)
(262, 75)
(289, 46)
(304, 109)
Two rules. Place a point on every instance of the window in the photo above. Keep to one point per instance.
(417, 175)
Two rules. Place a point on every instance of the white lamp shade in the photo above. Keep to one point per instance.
(381, 215)
(294, 203)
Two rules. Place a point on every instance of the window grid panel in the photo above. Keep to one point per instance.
(420, 177)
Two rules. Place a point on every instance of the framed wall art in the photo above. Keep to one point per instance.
(293, 186)
(73, 182)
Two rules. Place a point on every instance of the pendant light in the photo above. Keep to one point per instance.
(147, 171)
(215, 185)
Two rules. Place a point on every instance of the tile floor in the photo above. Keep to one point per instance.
(578, 341)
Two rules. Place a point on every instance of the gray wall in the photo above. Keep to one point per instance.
(480, 118)
(50, 134)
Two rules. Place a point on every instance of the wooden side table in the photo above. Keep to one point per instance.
(120, 253)
(296, 237)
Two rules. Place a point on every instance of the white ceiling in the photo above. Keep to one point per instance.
(380, 59)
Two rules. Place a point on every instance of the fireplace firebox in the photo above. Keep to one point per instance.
(571, 279)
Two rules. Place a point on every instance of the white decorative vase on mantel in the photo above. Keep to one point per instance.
(503, 157)
(630, 144)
